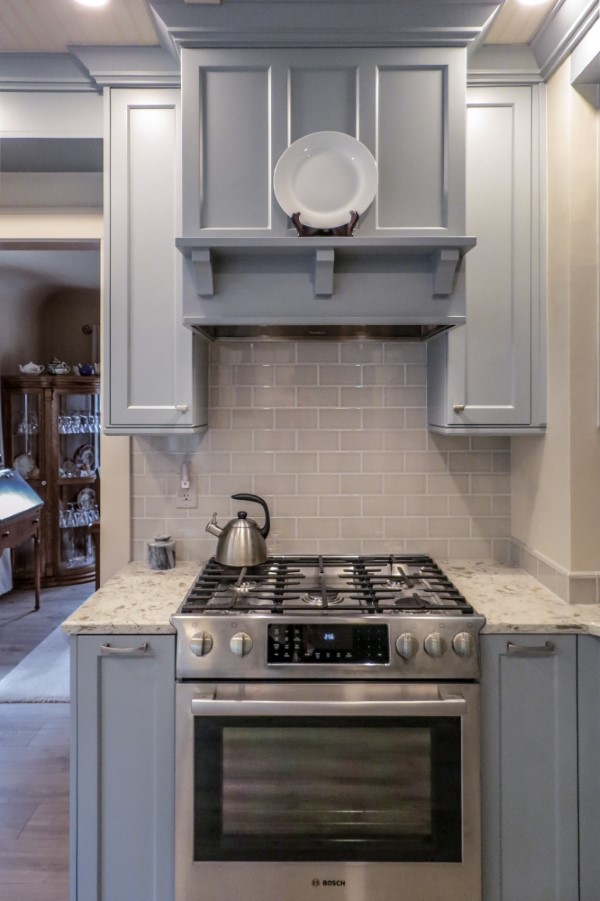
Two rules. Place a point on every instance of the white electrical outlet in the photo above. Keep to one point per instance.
(186, 489)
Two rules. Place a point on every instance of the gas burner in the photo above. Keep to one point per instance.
(316, 599)
(246, 586)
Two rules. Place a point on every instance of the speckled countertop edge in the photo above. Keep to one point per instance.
(513, 601)
(137, 599)
(140, 600)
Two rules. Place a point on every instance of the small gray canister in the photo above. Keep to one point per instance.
(161, 553)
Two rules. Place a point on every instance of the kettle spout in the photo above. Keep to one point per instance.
(212, 526)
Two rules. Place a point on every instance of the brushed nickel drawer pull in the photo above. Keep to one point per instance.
(458, 408)
(540, 650)
(181, 408)
(107, 648)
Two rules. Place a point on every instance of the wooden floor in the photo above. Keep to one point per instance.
(34, 759)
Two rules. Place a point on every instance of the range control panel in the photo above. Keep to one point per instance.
(327, 643)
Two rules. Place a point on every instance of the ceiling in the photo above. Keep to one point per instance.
(51, 26)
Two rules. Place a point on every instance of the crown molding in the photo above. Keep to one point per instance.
(324, 23)
(498, 64)
(129, 66)
(567, 25)
(43, 72)
(585, 66)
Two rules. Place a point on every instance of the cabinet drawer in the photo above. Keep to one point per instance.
(12, 534)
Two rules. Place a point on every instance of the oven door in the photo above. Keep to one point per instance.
(289, 787)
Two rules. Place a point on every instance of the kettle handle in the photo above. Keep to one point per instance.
(257, 500)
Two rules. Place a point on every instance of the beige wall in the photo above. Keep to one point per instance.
(556, 479)
(20, 330)
(64, 314)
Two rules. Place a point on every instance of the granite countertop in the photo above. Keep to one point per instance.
(513, 601)
(138, 599)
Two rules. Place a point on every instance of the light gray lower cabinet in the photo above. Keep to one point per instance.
(156, 370)
(488, 376)
(589, 767)
(529, 768)
(122, 766)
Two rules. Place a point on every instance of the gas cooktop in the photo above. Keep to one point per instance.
(369, 617)
(319, 585)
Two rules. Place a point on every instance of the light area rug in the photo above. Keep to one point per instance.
(42, 676)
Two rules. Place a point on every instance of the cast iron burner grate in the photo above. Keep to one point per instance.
(319, 584)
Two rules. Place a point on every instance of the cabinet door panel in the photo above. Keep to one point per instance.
(487, 372)
(529, 768)
(498, 271)
(123, 769)
(150, 352)
(589, 767)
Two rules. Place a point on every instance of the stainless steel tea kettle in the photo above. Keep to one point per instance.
(241, 542)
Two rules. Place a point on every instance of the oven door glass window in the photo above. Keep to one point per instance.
(348, 789)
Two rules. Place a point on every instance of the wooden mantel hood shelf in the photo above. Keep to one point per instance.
(444, 251)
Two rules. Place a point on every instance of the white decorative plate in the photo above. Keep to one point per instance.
(324, 176)
(86, 498)
(86, 456)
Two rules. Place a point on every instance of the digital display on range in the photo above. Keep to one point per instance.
(326, 638)
(328, 643)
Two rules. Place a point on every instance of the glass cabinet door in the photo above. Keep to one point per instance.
(77, 460)
(25, 420)
(25, 452)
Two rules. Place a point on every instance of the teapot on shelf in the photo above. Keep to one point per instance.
(58, 367)
(86, 368)
(31, 368)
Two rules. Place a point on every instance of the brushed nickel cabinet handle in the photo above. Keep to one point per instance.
(107, 648)
(181, 408)
(458, 408)
(536, 650)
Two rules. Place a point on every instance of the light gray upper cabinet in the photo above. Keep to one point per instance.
(155, 369)
(243, 261)
(489, 375)
(529, 768)
(123, 767)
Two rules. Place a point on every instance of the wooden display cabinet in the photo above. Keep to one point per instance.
(52, 438)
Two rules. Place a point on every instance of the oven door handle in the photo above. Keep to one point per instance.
(454, 705)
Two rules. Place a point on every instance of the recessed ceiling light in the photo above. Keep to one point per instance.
(532, 2)
(92, 2)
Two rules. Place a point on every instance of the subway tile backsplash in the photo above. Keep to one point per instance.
(333, 435)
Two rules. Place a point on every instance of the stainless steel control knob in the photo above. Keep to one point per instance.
(435, 645)
(240, 644)
(463, 644)
(407, 645)
(201, 644)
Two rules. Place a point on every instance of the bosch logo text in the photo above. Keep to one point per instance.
(327, 883)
